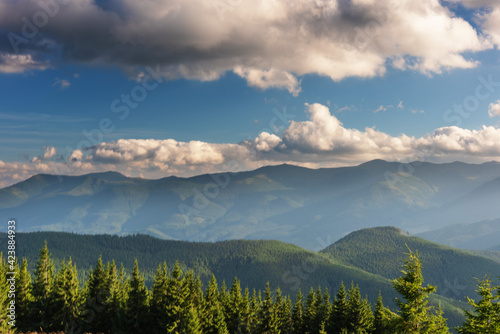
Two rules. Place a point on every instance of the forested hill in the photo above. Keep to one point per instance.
(381, 251)
(254, 262)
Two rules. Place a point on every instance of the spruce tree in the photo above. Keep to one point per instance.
(383, 318)
(213, 320)
(4, 298)
(42, 287)
(176, 304)
(310, 312)
(23, 298)
(95, 315)
(360, 317)
(65, 298)
(116, 308)
(192, 322)
(137, 306)
(415, 314)
(234, 317)
(485, 318)
(339, 313)
(298, 314)
(270, 322)
(158, 302)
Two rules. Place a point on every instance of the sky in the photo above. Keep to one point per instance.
(155, 88)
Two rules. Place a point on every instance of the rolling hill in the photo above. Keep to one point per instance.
(307, 207)
(381, 251)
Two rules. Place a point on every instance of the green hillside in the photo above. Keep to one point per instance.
(254, 262)
(382, 250)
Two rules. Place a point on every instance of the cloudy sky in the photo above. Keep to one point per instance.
(154, 88)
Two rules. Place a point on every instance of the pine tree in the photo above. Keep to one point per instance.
(383, 318)
(159, 299)
(486, 316)
(298, 314)
(116, 308)
(234, 317)
(310, 312)
(247, 315)
(270, 322)
(137, 306)
(339, 313)
(192, 322)
(360, 317)
(255, 310)
(65, 298)
(415, 315)
(213, 320)
(23, 298)
(286, 316)
(176, 304)
(4, 297)
(41, 292)
(97, 300)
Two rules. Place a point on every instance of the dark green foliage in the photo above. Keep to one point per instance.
(340, 310)
(137, 305)
(381, 251)
(383, 318)
(65, 298)
(485, 318)
(23, 297)
(41, 291)
(4, 296)
(415, 314)
(360, 316)
(298, 314)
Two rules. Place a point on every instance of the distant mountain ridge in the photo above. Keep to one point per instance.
(308, 207)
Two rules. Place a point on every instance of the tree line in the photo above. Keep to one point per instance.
(109, 301)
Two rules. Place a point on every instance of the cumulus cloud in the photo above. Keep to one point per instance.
(320, 141)
(489, 19)
(49, 152)
(271, 44)
(494, 109)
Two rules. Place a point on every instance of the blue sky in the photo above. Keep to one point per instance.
(188, 87)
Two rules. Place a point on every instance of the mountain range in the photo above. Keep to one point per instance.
(308, 207)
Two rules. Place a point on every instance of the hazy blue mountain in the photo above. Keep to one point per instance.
(481, 236)
(308, 207)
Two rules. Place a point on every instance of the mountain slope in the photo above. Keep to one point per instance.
(254, 262)
(307, 207)
(481, 236)
(381, 251)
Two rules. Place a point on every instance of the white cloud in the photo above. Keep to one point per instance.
(271, 44)
(49, 152)
(61, 83)
(494, 109)
(381, 108)
(321, 141)
(13, 63)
